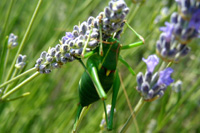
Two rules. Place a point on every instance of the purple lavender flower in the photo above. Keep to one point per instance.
(152, 61)
(72, 45)
(68, 35)
(165, 78)
(168, 30)
(152, 86)
(187, 8)
(184, 27)
(195, 20)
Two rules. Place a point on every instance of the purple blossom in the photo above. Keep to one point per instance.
(152, 61)
(168, 30)
(195, 20)
(178, 1)
(68, 35)
(165, 78)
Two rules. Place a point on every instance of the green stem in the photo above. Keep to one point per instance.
(6, 60)
(133, 13)
(169, 64)
(87, 41)
(2, 58)
(133, 114)
(162, 66)
(101, 45)
(7, 88)
(7, 17)
(24, 39)
(22, 96)
(20, 85)
(19, 76)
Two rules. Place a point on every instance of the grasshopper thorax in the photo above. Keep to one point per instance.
(111, 54)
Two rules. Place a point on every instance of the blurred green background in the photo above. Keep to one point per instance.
(51, 106)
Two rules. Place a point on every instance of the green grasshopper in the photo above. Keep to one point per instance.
(100, 76)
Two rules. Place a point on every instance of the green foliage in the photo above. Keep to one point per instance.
(52, 103)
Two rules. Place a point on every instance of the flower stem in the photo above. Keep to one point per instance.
(19, 76)
(6, 60)
(24, 39)
(129, 104)
(133, 114)
(2, 58)
(162, 66)
(169, 64)
(6, 20)
(22, 96)
(8, 87)
(20, 85)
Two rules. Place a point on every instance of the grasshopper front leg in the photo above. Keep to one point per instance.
(132, 45)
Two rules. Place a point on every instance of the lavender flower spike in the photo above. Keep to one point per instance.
(165, 78)
(12, 41)
(195, 20)
(152, 61)
(20, 62)
(152, 86)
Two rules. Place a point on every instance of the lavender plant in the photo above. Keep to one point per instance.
(85, 37)
(152, 86)
(12, 41)
(89, 35)
(171, 47)
(183, 27)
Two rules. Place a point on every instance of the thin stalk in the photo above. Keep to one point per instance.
(22, 96)
(24, 39)
(19, 85)
(87, 41)
(7, 17)
(129, 104)
(2, 58)
(16, 78)
(133, 114)
(162, 66)
(132, 14)
(7, 88)
(6, 60)
(101, 45)
(169, 64)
